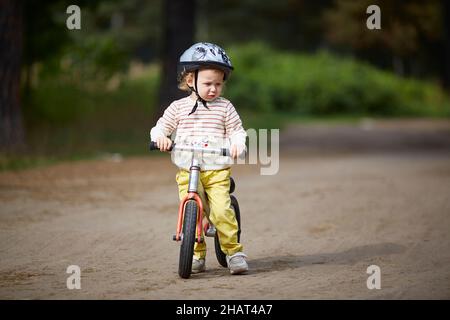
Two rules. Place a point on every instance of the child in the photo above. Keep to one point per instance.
(206, 118)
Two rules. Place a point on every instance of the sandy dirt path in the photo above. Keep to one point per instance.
(344, 198)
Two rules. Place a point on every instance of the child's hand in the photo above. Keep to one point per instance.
(163, 143)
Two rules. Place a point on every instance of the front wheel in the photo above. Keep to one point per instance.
(220, 255)
(187, 243)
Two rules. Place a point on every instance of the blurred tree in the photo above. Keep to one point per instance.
(179, 17)
(11, 125)
(134, 24)
(285, 24)
(29, 33)
(410, 35)
(46, 35)
(446, 51)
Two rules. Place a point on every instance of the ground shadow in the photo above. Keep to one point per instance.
(350, 256)
(279, 263)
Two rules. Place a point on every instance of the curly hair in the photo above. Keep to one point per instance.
(182, 80)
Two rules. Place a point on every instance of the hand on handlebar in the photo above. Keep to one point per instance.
(163, 143)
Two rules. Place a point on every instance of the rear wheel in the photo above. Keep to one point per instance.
(220, 255)
(187, 243)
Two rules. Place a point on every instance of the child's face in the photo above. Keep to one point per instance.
(209, 82)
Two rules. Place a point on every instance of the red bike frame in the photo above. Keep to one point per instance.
(181, 209)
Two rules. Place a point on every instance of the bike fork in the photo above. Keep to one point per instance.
(191, 195)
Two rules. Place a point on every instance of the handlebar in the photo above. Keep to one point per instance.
(220, 151)
(153, 146)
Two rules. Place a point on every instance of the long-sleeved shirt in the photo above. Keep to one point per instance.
(219, 126)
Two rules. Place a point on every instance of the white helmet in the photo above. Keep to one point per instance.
(204, 54)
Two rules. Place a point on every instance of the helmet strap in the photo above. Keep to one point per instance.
(194, 89)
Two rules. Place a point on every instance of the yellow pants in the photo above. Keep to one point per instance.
(216, 184)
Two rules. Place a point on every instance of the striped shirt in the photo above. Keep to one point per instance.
(218, 126)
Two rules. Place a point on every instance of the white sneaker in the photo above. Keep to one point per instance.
(237, 263)
(198, 265)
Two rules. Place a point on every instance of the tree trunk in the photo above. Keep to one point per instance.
(11, 122)
(446, 62)
(178, 36)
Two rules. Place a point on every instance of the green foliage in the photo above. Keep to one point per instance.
(65, 119)
(19, 162)
(70, 118)
(56, 103)
(323, 84)
(95, 57)
(264, 82)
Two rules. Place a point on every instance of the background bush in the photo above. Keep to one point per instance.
(323, 84)
(69, 115)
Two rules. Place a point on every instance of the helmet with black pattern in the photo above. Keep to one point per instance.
(204, 55)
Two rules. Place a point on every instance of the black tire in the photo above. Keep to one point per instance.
(220, 255)
(187, 244)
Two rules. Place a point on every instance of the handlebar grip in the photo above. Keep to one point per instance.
(154, 146)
